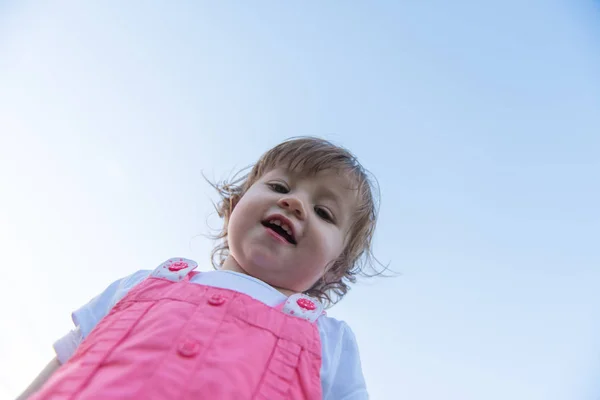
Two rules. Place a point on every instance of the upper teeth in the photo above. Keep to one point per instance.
(284, 226)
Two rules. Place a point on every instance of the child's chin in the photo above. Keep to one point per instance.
(265, 260)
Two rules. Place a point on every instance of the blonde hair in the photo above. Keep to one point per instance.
(309, 155)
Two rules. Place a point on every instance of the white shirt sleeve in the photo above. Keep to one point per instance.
(341, 371)
(65, 346)
(87, 317)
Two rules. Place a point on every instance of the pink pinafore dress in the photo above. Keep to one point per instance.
(169, 338)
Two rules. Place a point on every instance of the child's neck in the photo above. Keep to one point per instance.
(231, 264)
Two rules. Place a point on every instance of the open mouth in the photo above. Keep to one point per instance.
(281, 228)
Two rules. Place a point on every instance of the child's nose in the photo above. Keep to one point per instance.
(294, 206)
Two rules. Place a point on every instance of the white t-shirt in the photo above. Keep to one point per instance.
(341, 373)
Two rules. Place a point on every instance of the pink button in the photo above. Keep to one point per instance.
(216, 300)
(306, 304)
(188, 348)
(178, 266)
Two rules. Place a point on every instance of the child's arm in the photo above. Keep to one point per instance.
(343, 378)
(40, 379)
(85, 320)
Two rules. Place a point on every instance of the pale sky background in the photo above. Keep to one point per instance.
(480, 119)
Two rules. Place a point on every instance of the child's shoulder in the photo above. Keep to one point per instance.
(337, 331)
(342, 372)
(332, 323)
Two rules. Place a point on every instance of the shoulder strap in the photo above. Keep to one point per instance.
(302, 306)
(175, 269)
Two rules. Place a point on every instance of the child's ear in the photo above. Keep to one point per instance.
(234, 200)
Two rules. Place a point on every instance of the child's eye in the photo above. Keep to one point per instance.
(324, 213)
(279, 188)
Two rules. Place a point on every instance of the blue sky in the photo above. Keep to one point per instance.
(479, 119)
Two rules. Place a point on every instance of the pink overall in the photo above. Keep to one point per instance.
(169, 338)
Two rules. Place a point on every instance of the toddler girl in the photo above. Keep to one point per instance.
(297, 230)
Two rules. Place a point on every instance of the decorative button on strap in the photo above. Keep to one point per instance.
(174, 269)
(178, 266)
(302, 306)
(306, 304)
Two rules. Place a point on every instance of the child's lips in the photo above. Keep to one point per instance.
(277, 236)
(281, 226)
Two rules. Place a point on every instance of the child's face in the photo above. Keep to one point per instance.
(318, 213)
